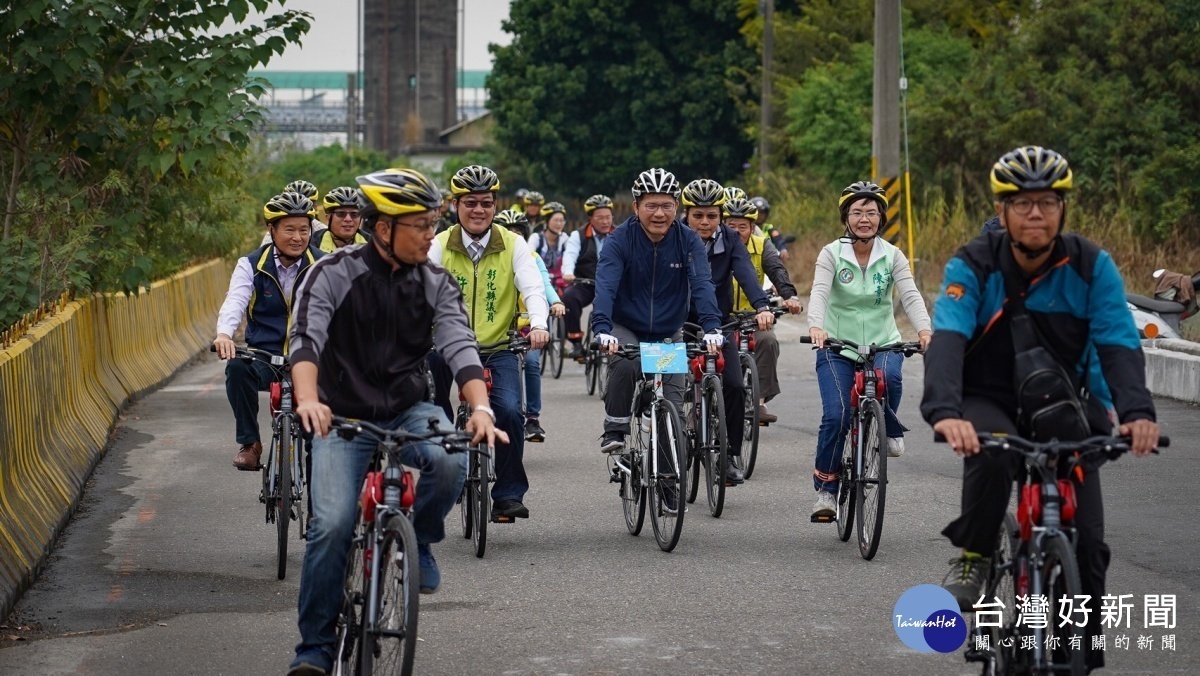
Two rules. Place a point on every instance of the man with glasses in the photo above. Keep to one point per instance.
(652, 270)
(363, 325)
(579, 265)
(341, 208)
(494, 268)
(1074, 298)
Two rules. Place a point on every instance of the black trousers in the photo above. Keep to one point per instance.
(987, 485)
(576, 297)
(243, 381)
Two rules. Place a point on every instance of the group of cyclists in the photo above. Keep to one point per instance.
(390, 289)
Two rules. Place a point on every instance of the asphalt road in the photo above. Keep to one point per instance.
(169, 567)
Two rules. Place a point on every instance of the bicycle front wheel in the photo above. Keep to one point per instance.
(558, 345)
(602, 374)
(1060, 579)
(481, 501)
(590, 370)
(669, 483)
(465, 502)
(349, 621)
(391, 646)
(871, 486)
(1000, 659)
(691, 441)
(846, 499)
(714, 445)
(283, 490)
(749, 455)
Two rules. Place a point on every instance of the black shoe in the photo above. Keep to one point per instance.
(534, 432)
(576, 353)
(733, 475)
(612, 443)
(965, 579)
(509, 509)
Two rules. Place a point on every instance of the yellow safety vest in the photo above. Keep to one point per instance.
(755, 249)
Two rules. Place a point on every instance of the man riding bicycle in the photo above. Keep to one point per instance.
(261, 288)
(494, 267)
(727, 259)
(1073, 294)
(762, 227)
(739, 215)
(363, 324)
(579, 264)
(652, 269)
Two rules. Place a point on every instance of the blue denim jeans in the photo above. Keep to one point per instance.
(511, 482)
(835, 376)
(533, 383)
(339, 467)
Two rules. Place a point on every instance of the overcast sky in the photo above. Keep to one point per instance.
(330, 43)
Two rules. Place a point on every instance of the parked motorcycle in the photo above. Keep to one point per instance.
(1160, 317)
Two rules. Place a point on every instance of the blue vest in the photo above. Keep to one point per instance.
(269, 310)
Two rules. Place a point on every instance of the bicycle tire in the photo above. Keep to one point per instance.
(300, 486)
(871, 484)
(845, 496)
(466, 511)
(1001, 585)
(691, 442)
(590, 371)
(391, 647)
(715, 445)
(667, 522)
(558, 337)
(349, 622)
(602, 375)
(481, 501)
(633, 495)
(1060, 578)
(283, 487)
(750, 436)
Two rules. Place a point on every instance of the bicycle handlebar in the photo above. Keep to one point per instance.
(452, 441)
(907, 349)
(1109, 447)
(514, 343)
(255, 354)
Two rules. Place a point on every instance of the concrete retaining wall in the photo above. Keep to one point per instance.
(61, 386)
(1173, 369)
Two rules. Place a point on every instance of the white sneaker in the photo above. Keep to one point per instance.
(895, 447)
(825, 505)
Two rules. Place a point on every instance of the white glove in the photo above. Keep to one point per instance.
(606, 340)
(714, 340)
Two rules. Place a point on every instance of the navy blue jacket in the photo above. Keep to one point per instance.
(1078, 306)
(728, 259)
(268, 312)
(655, 283)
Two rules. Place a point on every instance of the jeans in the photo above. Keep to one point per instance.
(835, 377)
(987, 485)
(339, 467)
(533, 383)
(511, 481)
(243, 381)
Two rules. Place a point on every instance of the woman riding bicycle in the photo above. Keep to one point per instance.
(852, 300)
(551, 243)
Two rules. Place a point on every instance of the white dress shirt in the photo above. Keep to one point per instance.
(241, 287)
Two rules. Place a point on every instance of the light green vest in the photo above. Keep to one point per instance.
(489, 287)
(860, 304)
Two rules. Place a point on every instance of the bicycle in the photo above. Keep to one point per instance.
(1035, 554)
(377, 624)
(476, 498)
(746, 328)
(704, 425)
(657, 480)
(862, 485)
(595, 364)
(284, 476)
(555, 350)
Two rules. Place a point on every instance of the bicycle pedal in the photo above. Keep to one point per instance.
(823, 518)
(503, 519)
(763, 424)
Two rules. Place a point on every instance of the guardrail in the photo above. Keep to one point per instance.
(61, 387)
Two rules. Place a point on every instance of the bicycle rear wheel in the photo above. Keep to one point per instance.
(746, 460)
(667, 487)
(349, 622)
(1060, 578)
(481, 501)
(391, 647)
(283, 491)
(714, 445)
(558, 339)
(300, 500)
(466, 508)
(846, 499)
(1000, 659)
(590, 372)
(691, 442)
(871, 486)
(633, 494)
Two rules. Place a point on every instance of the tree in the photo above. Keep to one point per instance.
(590, 93)
(122, 126)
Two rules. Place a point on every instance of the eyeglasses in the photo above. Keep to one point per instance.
(859, 215)
(1049, 206)
(471, 205)
(667, 207)
(421, 228)
(345, 213)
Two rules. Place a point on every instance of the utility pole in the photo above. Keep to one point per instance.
(885, 132)
(764, 122)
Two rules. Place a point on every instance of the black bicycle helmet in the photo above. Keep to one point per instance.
(394, 192)
(597, 202)
(859, 190)
(1031, 168)
(739, 207)
(761, 203)
(343, 196)
(304, 188)
(702, 192)
(288, 204)
(514, 220)
(474, 178)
